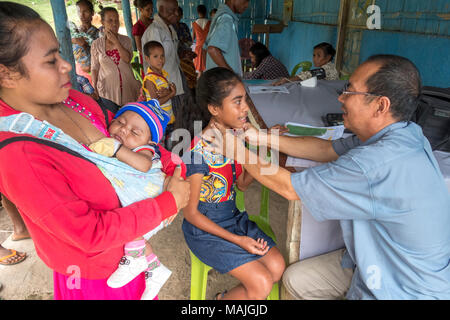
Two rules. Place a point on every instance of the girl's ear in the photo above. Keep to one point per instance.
(8, 78)
(214, 110)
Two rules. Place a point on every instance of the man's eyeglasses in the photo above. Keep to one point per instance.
(345, 91)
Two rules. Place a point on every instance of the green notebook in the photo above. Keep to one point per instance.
(305, 131)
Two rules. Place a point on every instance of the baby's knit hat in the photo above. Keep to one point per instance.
(152, 113)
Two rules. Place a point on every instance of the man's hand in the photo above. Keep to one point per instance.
(224, 141)
(278, 129)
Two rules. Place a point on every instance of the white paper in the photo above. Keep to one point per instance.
(267, 89)
(301, 163)
(311, 82)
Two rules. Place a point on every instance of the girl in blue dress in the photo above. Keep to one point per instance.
(215, 230)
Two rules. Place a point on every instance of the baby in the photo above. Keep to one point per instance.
(135, 132)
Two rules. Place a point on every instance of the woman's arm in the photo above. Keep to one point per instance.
(199, 220)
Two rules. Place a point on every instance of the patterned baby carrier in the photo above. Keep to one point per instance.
(131, 185)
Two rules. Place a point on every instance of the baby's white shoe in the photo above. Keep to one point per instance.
(154, 280)
(129, 268)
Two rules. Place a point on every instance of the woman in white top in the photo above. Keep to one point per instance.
(323, 55)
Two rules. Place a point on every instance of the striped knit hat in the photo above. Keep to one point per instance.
(152, 113)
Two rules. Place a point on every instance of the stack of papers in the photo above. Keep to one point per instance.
(298, 129)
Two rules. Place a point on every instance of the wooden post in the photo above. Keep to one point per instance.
(342, 28)
(128, 21)
(64, 38)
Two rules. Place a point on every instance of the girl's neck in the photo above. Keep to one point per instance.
(215, 120)
(145, 20)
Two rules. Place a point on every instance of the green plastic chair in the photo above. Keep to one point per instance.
(199, 270)
(199, 278)
(305, 65)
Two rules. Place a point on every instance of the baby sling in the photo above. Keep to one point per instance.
(131, 185)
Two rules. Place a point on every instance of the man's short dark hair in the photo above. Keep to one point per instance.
(399, 80)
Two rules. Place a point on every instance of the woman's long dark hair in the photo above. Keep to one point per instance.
(260, 51)
(17, 23)
(213, 87)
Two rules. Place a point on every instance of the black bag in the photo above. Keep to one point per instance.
(433, 115)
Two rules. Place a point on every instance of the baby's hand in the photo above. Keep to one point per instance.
(105, 146)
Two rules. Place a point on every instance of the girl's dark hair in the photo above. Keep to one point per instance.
(201, 9)
(149, 46)
(141, 4)
(260, 51)
(107, 9)
(87, 3)
(213, 86)
(327, 49)
(17, 23)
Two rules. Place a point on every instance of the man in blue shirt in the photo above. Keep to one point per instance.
(383, 185)
(222, 42)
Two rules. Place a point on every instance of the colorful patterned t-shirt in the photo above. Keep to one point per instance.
(217, 181)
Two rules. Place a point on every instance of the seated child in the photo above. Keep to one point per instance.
(155, 84)
(214, 229)
(134, 134)
(323, 55)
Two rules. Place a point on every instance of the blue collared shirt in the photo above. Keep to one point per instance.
(223, 35)
(394, 210)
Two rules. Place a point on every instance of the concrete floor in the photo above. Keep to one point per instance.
(31, 279)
